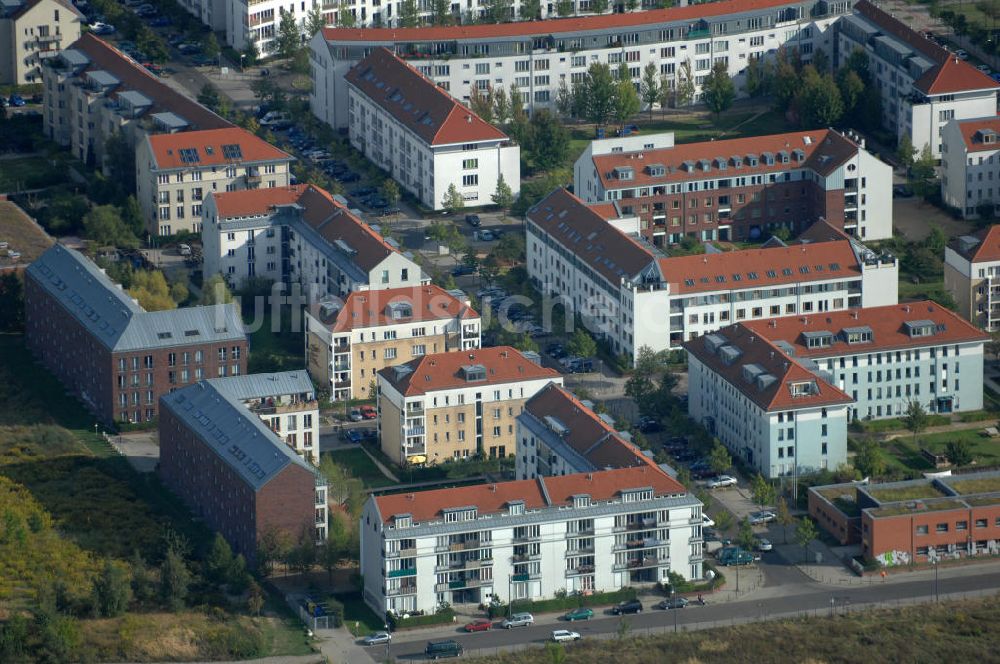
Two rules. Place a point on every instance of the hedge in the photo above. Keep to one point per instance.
(440, 618)
(566, 603)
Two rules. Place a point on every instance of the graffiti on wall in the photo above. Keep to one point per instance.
(893, 558)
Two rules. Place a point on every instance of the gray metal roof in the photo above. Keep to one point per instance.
(115, 319)
(135, 99)
(170, 120)
(236, 435)
(256, 386)
(75, 58)
(103, 78)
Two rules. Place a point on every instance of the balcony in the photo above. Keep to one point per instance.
(644, 524)
(416, 450)
(395, 574)
(580, 551)
(341, 366)
(414, 412)
(648, 561)
(527, 538)
(525, 557)
(415, 431)
(281, 408)
(48, 39)
(583, 532)
(580, 569)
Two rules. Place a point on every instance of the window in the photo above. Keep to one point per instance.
(941, 528)
(470, 180)
(922, 530)
(390, 353)
(496, 432)
(470, 163)
(419, 349)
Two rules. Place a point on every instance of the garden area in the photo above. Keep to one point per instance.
(359, 465)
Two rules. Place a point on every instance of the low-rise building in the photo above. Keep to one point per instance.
(528, 539)
(285, 401)
(923, 85)
(971, 264)
(914, 522)
(236, 474)
(739, 189)
(30, 32)
(768, 409)
(558, 434)
(300, 234)
(348, 342)
(970, 166)
(456, 405)
(425, 139)
(887, 357)
(93, 92)
(115, 356)
(631, 294)
(175, 173)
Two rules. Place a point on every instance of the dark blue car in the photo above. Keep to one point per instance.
(16, 100)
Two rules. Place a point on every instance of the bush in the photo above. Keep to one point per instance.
(576, 600)
(442, 617)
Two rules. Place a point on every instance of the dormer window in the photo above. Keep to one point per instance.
(656, 170)
(921, 328)
(515, 507)
(581, 500)
(402, 521)
(625, 173)
(473, 372)
(857, 335)
(987, 136)
(803, 388)
(818, 339)
(634, 495)
(454, 515)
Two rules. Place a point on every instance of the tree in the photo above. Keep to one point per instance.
(549, 142)
(104, 225)
(581, 344)
(640, 386)
(564, 8)
(452, 201)
(119, 164)
(255, 602)
(11, 303)
(142, 584)
(531, 10)
(390, 191)
(497, 11)
(784, 517)
(763, 491)
(745, 538)
(869, 459)
(852, 89)
(959, 452)
(150, 288)
(409, 14)
(481, 103)
(805, 533)
(111, 591)
(923, 173)
(288, 40)
(315, 21)
(345, 17)
(250, 54)
(723, 520)
(599, 91)
(131, 214)
(758, 77)
(219, 560)
(210, 46)
(209, 96)
(649, 88)
(719, 459)
(785, 83)
(501, 106)
(684, 91)
(626, 100)
(178, 292)
(718, 90)
(819, 101)
(489, 269)
(441, 12)
(174, 580)
(503, 197)
(915, 418)
(599, 6)
(821, 61)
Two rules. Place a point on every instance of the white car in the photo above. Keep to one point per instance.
(764, 545)
(706, 521)
(561, 635)
(759, 518)
(721, 481)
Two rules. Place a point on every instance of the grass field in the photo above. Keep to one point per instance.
(949, 632)
(356, 611)
(904, 453)
(360, 466)
(21, 234)
(33, 172)
(275, 349)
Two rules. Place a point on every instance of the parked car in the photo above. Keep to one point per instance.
(480, 625)
(369, 412)
(741, 558)
(437, 649)
(556, 351)
(961, 54)
(583, 613)
(902, 191)
(706, 521)
(762, 517)
(764, 545)
(377, 638)
(721, 482)
(518, 620)
(355, 415)
(983, 68)
(485, 236)
(673, 603)
(460, 270)
(276, 119)
(561, 635)
(354, 436)
(16, 100)
(649, 424)
(349, 177)
(631, 606)
(472, 219)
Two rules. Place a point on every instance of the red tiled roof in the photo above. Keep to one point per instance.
(419, 104)
(606, 210)
(365, 309)
(765, 268)
(442, 371)
(585, 233)
(495, 498)
(822, 231)
(887, 324)
(950, 74)
(256, 202)
(971, 128)
(988, 248)
(553, 26)
(166, 148)
(587, 434)
(822, 150)
(755, 349)
(103, 56)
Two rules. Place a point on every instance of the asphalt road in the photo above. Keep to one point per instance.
(803, 597)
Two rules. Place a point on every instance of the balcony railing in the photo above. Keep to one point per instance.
(402, 572)
(582, 532)
(402, 590)
(579, 551)
(580, 569)
(280, 408)
(527, 538)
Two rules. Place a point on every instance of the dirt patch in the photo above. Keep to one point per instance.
(913, 218)
(21, 235)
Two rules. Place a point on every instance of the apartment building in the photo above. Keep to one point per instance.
(915, 522)
(92, 91)
(923, 85)
(558, 434)
(768, 409)
(176, 172)
(456, 405)
(349, 341)
(886, 357)
(739, 189)
(528, 539)
(300, 234)
(970, 166)
(32, 31)
(631, 294)
(971, 263)
(538, 56)
(112, 354)
(234, 473)
(285, 401)
(425, 139)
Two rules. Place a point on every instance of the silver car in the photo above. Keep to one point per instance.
(518, 620)
(377, 638)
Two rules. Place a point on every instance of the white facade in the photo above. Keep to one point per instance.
(538, 56)
(970, 165)
(32, 31)
(528, 552)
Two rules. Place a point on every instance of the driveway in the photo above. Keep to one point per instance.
(913, 219)
(141, 449)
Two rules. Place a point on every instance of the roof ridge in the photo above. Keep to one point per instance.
(545, 491)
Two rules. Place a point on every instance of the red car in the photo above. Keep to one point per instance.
(368, 412)
(481, 625)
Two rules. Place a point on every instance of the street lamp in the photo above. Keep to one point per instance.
(387, 642)
(833, 602)
(242, 55)
(673, 607)
(934, 562)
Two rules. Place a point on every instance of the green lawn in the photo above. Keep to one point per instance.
(356, 611)
(275, 349)
(360, 466)
(903, 452)
(29, 173)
